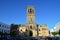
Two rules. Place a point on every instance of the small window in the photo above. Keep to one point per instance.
(39, 29)
(5, 26)
(2, 30)
(0, 25)
(8, 31)
(43, 28)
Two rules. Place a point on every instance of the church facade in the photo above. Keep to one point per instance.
(31, 28)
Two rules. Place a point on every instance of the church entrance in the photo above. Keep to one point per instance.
(30, 33)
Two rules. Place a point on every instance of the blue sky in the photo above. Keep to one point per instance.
(14, 11)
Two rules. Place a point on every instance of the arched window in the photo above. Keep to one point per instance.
(40, 25)
(21, 29)
(26, 29)
(39, 29)
(30, 27)
(30, 10)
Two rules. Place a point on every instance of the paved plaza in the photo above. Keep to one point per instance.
(30, 38)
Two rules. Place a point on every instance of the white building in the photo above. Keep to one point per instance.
(4, 28)
(55, 28)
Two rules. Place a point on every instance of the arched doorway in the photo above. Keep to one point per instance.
(30, 33)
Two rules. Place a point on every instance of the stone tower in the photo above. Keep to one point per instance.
(31, 25)
(30, 17)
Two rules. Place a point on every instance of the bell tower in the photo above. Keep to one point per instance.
(30, 17)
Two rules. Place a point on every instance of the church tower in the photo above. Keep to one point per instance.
(30, 17)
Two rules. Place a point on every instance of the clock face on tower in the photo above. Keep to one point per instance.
(30, 10)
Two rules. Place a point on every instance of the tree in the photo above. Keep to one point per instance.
(1, 33)
(59, 31)
(54, 33)
(13, 33)
(13, 30)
